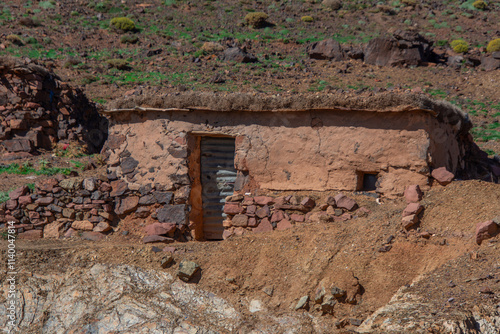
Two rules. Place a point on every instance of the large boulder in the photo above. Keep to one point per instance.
(326, 49)
(18, 145)
(238, 55)
(490, 63)
(486, 230)
(442, 175)
(403, 48)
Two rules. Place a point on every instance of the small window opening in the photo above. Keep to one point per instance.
(367, 181)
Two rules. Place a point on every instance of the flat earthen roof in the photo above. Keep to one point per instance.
(260, 102)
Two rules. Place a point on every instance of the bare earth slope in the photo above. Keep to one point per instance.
(445, 275)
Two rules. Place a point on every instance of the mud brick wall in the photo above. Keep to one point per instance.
(37, 110)
(246, 214)
(91, 207)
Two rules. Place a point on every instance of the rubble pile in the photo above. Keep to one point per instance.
(37, 110)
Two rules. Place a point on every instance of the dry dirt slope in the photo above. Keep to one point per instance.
(451, 274)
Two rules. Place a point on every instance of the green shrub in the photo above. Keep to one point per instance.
(480, 4)
(47, 4)
(4, 196)
(332, 4)
(31, 40)
(494, 45)
(120, 64)
(256, 20)
(29, 22)
(460, 46)
(122, 23)
(14, 39)
(306, 19)
(128, 39)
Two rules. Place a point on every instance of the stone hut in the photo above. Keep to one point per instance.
(203, 147)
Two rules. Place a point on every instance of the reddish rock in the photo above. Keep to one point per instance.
(412, 209)
(280, 200)
(127, 205)
(235, 198)
(71, 232)
(159, 228)
(173, 214)
(53, 230)
(105, 187)
(264, 226)
(343, 217)
(283, 225)
(93, 236)
(277, 216)
(251, 209)
(33, 215)
(308, 202)
(47, 185)
(18, 124)
(252, 222)
(11, 204)
(31, 235)
(25, 200)
(297, 217)
(233, 208)
(18, 145)
(442, 175)
(362, 211)
(425, 235)
(263, 212)
(263, 200)
(239, 231)
(82, 225)
(331, 201)
(169, 249)
(403, 48)
(342, 201)
(240, 220)
(247, 201)
(21, 191)
(227, 234)
(486, 230)
(119, 188)
(326, 49)
(409, 221)
(317, 217)
(102, 227)
(413, 194)
(45, 200)
(156, 238)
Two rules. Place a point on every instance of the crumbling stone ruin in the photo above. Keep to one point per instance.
(37, 110)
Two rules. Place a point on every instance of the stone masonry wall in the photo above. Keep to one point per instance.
(266, 213)
(92, 207)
